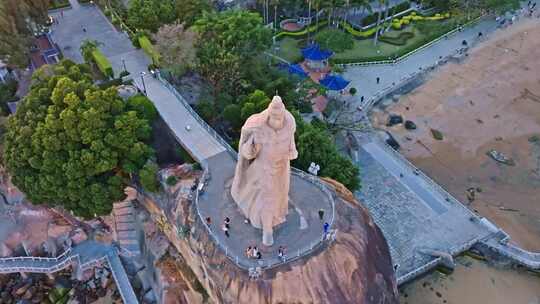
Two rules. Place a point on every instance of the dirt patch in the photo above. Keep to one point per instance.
(491, 101)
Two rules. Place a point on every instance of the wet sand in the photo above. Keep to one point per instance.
(490, 101)
(474, 282)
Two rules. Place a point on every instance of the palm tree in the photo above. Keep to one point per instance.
(379, 15)
(275, 3)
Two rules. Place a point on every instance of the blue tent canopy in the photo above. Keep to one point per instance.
(334, 82)
(314, 52)
(296, 69)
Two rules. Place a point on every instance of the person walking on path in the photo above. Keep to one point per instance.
(321, 214)
(281, 253)
(208, 221)
(326, 228)
(226, 230)
(227, 222)
(378, 80)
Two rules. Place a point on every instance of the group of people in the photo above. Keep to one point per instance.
(253, 253)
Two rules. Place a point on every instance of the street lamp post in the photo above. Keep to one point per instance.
(124, 64)
(143, 84)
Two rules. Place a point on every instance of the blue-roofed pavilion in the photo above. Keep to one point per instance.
(334, 82)
(315, 57)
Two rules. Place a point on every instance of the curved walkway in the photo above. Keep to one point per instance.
(523, 257)
(85, 255)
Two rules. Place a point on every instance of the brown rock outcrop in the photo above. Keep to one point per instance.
(355, 268)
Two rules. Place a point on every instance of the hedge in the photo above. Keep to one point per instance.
(148, 48)
(103, 63)
(360, 34)
(311, 28)
(400, 40)
(406, 20)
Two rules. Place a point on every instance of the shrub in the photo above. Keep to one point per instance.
(148, 177)
(104, 65)
(399, 40)
(171, 180)
(148, 48)
(360, 34)
(142, 105)
(352, 91)
(123, 74)
(109, 83)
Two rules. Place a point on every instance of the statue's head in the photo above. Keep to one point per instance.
(276, 113)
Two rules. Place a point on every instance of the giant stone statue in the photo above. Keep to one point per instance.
(261, 182)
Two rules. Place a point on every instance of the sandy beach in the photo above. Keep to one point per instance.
(490, 101)
(473, 282)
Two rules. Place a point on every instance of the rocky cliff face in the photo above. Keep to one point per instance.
(355, 268)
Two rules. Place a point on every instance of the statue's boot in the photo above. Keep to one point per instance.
(268, 233)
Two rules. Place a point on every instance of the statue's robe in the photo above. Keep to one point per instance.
(261, 182)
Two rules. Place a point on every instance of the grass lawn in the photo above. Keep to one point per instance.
(289, 49)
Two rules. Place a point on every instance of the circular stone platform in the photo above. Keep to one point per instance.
(305, 201)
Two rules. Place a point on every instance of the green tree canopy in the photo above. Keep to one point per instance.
(227, 41)
(72, 144)
(150, 14)
(188, 11)
(314, 144)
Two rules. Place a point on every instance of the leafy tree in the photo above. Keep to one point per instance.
(335, 40)
(206, 110)
(7, 94)
(150, 14)
(148, 177)
(188, 11)
(228, 40)
(233, 114)
(176, 46)
(254, 103)
(19, 19)
(72, 144)
(143, 106)
(314, 145)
